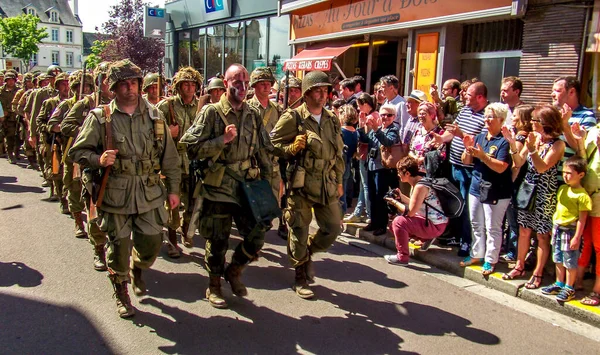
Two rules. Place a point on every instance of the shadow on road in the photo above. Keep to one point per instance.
(32, 327)
(17, 273)
(9, 184)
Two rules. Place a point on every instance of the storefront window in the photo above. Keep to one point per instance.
(214, 51)
(255, 54)
(198, 36)
(234, 41)
(279, 50)
(184, 48)
(490, 71)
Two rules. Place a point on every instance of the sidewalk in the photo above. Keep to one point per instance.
(445, 258)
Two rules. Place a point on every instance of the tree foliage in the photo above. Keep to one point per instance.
(95, 57)
(20, 36)
(125, 31)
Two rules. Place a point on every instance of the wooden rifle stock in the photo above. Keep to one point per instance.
(109, 146)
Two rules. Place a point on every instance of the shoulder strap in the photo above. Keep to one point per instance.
(172, 112)
(220, 112)
(108, 127)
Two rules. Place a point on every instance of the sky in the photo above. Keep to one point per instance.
(93, 13)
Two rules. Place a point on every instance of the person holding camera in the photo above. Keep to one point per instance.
(418, 215)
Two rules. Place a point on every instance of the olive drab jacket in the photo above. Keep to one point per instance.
(246, 155)
(41, 121)
(182, 115)
(270, 116)
(71, 124)
(34, 105)
(6, 98)
(322, 158)
(144, 152)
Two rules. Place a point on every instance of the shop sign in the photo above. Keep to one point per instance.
(338, 16)
(216, 9)
(308, 64)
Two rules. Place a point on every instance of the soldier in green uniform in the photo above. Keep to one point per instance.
(294, 91)
(18, 105)
(311, 134)
(150, 88)
(51, 142)
(132, 211)
(230, 137)
(180, 111)
(71, 186)
(70, 127)
(9, 120)
(215, 89)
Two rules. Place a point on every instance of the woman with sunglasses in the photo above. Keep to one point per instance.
(541, 154)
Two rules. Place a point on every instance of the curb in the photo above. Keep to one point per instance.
(445, 258)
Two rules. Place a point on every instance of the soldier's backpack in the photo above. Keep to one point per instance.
(450, 198)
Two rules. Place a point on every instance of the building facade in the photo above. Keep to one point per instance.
(62, 47)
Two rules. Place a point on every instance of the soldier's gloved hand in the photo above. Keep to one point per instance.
(108, 157)
(230, 133)
(299, 144)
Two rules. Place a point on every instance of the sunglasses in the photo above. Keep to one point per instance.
(385, 115)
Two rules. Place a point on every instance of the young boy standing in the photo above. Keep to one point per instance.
(572, 207)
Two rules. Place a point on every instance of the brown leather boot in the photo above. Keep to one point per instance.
(172, 250)
(32, 163)
(124, 307)
(99, 258)
(187, 242)
(301, 285)
(232, 275)
(309, 267)
(137, 283)
(79, 227)
(64, 206)
(213, 292)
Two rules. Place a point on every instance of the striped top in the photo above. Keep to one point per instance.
(586, 118)
(469, 122)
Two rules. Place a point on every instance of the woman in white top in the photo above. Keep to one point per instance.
(416, 219)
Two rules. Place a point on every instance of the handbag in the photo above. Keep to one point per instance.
(390, 156)
(525, 199)
(486, 194)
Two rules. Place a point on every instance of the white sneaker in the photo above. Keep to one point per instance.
(352, 219)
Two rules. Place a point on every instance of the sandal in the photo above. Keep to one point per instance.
(488, 269)
(593, 299)
(513, 274)
(534, 282)
(468, 261)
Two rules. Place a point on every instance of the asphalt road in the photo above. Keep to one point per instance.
(52, 301)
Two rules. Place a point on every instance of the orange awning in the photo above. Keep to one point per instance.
(317, 57)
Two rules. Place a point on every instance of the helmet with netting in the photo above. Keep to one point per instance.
(123, 70)
(76, 77)
(261, 74)
(293, 82)
(101, 69)
(187, 74)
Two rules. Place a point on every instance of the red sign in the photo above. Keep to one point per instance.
(307, 64)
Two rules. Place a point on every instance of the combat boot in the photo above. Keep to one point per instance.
(301, 286)
(310, 271)
(187, 242)
(172, 250)
(232, 275)
(11, 158)
(124, 307)
(99, 258)
(79, 227)
(282, 230)
(137, 283)
(53, 196)
(213, 292)
(64, 206)
(32, 163)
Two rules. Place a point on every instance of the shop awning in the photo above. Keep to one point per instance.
(317, 57)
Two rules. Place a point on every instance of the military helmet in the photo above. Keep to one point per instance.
(61, 77)
(293, 82)
(261, 74)
(215, 83)
(151, 79)
(123, 70)
(101, 68)
(53, 69)
(28, 77)
(10, 74)
(2, 71)
(314, 79)
(187, 74)
(75, 79)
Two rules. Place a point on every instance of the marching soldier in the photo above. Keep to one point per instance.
(50, 141)
(215, 89)
(230, 137)
(71, 186)
(9, 120)
(70, 127)
(311, 136)
(180, 111)
(294, 91)
(128, 139)
(18, 104)
(150, 88)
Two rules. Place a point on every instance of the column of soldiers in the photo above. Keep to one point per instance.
(124, 159)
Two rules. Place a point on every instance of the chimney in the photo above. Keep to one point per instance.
(74, 6)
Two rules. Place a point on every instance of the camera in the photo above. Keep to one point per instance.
(393, 194)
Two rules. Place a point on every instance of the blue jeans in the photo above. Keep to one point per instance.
(363, 205)
(462, 225)
(346, 181)
(510, 244)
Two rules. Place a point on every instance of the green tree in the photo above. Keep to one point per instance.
(96, 56)
(20, 36)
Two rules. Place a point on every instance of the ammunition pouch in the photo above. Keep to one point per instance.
(133, 167)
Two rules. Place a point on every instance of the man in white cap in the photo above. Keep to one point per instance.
(412, 124)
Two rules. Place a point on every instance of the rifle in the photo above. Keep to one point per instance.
(109, 146)
(99, 89)
(55, 163)
(286, 90)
